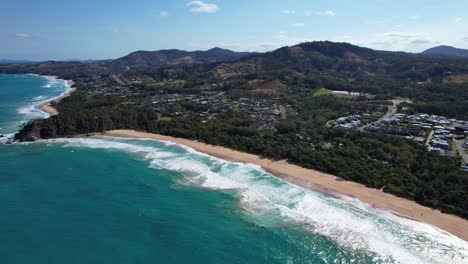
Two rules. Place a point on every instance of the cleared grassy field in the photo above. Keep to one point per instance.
(322, 92)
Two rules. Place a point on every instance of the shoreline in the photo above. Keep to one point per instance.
(47, 106)
(322, 182)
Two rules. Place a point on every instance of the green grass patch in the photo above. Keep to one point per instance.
(163, 118)
(322, 92)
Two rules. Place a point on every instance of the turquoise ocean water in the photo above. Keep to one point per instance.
(109, 200)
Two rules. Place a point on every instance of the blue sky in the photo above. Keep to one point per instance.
(101, 29)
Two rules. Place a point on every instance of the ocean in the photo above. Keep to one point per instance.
(114, 200)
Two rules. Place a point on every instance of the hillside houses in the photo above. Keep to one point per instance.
(267, 112)
(436, 131)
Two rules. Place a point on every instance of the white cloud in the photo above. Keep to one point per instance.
(326, 13)
(284, 39)
(406, 37)
(282, 34)
(163, 14)
(22, 35)
(298, 24)
(288, 12)
(415, 17)
(225, 45)
(402, 35)
(267, 45)
(465, 39)
(202, 7)
(459, 19)
(342, 38)
(421, 41)
(407, 41)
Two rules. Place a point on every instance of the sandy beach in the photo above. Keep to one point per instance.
(47, 107)
(322, 181)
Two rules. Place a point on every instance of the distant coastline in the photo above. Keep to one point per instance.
(321, 181)
(47, 106)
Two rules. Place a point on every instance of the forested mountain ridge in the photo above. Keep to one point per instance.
(435, 84)
(164, 58)
(346, 59)
(446, 51)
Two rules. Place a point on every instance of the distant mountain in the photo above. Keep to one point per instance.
(172, 57)
(318, 56)
(8, 61)
(81, 60)
(446, 51)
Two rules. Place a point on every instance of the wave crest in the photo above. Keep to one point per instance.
(33, 110)
(268, 201)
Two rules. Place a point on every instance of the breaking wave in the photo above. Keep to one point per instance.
(32, 112)
(53, 81)
(270, 201)
(33, 109)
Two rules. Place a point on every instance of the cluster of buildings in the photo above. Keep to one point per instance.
(266, 112)
(204, 105)
(440, 142)
(350, 93)
(353, 121)
(435, 131)
(101, 85)
(439, 131)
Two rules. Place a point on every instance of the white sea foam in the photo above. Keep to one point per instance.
(272, 201)
(6, 137)
(33, 110)
(39, 98)
(52, 81)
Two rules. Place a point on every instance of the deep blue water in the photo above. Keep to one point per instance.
(109, 200)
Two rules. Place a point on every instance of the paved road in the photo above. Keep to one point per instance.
(116, 79)
(391, 111)
(428, 139)
(462, 151)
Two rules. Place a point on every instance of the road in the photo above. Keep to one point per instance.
(462, 150)
(431, 135)
(391, 111)
(116, 79)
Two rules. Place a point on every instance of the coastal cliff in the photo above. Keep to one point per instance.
(30, 132)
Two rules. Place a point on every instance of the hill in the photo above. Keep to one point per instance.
(446, 51)
(175, 57)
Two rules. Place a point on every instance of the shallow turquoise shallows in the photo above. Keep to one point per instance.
(109, 200)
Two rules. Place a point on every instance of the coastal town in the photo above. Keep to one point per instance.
(445, 136)
(205, 104)
(203, 131)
